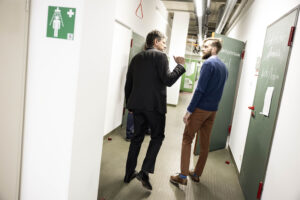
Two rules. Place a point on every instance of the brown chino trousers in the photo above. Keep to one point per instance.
(200, 121)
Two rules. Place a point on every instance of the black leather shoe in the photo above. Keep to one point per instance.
(144, 178)
(130, 177)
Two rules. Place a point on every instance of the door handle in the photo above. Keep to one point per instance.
(251, 107)
(253, 111)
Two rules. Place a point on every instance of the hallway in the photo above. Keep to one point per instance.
(218, 182)
(62, 96)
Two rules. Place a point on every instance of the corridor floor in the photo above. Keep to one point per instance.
(219, 180)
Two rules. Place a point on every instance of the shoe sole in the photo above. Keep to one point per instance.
(176, 183)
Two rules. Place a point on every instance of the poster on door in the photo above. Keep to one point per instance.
(60, 23)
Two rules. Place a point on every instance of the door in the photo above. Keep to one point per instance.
(231, 55)
(274, 62)
(13, 57)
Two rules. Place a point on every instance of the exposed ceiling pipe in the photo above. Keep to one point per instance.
(205, 21)
(243, 5)
(208, 7)
(199, 12)
(228, 10)
(220, 14)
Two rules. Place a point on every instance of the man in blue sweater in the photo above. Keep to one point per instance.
(202, 110)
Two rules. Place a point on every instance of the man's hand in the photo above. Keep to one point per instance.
(179, 60)
(186, 117)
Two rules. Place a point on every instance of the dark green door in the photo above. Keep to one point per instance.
(137, 45)
(274, 62)
(231, 56)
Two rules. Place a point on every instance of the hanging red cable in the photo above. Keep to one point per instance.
(141, 8)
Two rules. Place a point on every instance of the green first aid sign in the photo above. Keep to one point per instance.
(61, 22)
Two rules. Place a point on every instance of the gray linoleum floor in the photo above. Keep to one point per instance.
(219, 181)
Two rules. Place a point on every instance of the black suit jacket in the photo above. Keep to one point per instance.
(147, 77)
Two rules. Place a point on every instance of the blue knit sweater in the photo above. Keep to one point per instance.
(208, 93)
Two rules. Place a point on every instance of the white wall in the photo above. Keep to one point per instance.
(118, 70)
(71, 85)
(13, 60)
(154, 17)
(177, 48)
(281, 180)
(93, 87)
(53, 66)
(66, 101)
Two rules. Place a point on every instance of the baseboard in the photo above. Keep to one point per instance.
(112, 132)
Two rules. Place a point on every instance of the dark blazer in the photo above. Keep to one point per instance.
(147, 77)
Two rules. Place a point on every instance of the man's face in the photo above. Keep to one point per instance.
(160, 45)
(206, 50)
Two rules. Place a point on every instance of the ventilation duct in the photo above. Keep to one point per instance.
(228, 10)
(201, 11)
(205, 20)
(243, 6)
(220, 14)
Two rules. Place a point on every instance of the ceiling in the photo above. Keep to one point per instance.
(208, 25)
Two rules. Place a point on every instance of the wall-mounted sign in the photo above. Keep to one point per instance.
(61, 22)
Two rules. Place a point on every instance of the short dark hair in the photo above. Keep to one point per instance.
(152, 36)
(216, 42)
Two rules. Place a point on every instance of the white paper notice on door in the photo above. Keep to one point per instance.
(267, 102)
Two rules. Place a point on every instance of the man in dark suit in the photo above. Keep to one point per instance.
(145, 92)
(202, 110)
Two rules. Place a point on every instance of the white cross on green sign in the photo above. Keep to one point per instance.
(61, 22)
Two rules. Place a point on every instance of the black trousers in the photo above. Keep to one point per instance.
(143, 119)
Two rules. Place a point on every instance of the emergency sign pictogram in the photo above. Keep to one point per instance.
(60, 23)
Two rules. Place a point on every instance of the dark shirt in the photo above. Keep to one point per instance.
(208, 93)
